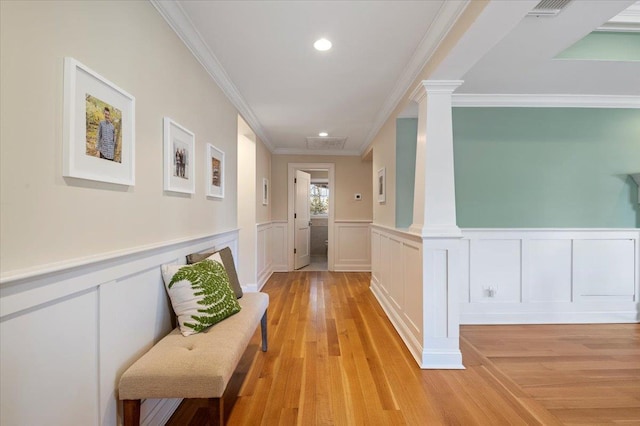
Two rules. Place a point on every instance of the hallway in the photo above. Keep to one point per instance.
(334, 358)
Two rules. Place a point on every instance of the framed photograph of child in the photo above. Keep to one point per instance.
(99, 127)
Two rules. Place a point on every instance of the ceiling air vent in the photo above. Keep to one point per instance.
(549, 7)
(325, 143)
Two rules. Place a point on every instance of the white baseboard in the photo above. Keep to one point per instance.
(628, 315)
(351, 268)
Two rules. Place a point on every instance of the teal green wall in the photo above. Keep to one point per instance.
(546, 167)
(406, 139)
(605, 46)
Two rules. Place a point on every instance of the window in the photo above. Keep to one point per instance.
(319, 193)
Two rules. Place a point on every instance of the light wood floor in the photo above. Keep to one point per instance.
(335, 359)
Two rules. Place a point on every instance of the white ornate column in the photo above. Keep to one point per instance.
(434, 199)
(434, 218)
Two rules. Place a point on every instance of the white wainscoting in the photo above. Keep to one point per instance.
(415, 279)
(396, 281)
(279, 245)
(70, 330)
(519, 276)
(264, 255)
(352, 245)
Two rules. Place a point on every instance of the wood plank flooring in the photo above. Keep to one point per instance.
(335, 359)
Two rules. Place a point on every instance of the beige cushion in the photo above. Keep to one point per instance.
(227, 260)
(196, 366)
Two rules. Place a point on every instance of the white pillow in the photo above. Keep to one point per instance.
(200, 294)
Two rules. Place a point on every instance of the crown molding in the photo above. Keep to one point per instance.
(182, 25)
(434, 86)
(545, 101)
(332, 152)
(445, 19)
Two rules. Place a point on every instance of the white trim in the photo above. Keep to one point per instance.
(279, 245)
(292, 167)
(400, 232)
(56, 283)
(409, 278)
(438, 30)
(565, 301)
(264, 252)
(105, 286)
(359, 251)
(30, 273)
(178, 20)
(544, 101)
(434, 86)
(625, 313)
(353, 221)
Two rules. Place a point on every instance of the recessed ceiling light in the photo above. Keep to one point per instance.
(323, 134)
(322, 44)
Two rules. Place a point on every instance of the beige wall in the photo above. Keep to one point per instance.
(352, 175)
(46, 218)
(384, 143)
(263, 170)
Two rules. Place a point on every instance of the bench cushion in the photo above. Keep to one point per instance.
(196, 366)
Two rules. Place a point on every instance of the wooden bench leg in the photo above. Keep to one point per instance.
(263, 328)
(216, 411)
(131, 409)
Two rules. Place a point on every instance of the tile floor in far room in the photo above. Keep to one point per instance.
(318, 263)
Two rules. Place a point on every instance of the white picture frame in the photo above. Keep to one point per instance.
(98, 127)
(179, 158)
(382, 185)
(215, 172)
(265, 191)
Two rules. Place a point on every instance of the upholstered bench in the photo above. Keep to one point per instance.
(196, 366)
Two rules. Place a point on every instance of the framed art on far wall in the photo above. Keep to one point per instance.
(265, 191)
(215, 172)
(179, 158)
(98, 128)
(382, 185)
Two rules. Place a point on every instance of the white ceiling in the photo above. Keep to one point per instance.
(261, 54)
(522, 62)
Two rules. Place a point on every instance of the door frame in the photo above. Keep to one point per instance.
(292, 167)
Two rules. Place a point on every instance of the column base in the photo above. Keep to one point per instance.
(441, 360)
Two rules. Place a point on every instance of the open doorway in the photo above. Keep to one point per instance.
(311, 216)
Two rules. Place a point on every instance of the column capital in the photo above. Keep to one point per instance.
(434, 86)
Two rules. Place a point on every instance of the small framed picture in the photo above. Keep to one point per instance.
(179, 158)
(98, 129)
(382, 185)
(265, 191)
(215, 172)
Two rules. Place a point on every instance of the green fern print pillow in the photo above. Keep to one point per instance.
(200, 294)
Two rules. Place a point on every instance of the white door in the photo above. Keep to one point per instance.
(302, 219)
